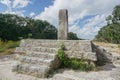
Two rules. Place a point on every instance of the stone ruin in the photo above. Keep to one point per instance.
(63, 25)
(41, 55)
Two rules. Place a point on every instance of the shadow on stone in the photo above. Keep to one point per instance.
(108, 67)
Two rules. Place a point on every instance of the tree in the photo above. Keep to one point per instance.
(72, 36)
(111, 32)
(13, 27)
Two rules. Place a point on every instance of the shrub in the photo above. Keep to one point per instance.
(29, 35)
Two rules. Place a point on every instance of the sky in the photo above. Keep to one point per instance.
(86, 17)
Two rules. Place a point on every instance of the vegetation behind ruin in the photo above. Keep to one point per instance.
(111, 32)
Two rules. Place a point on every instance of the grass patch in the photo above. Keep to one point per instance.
(118, 45)
(7, 47)
(7, 52)
(74, 63)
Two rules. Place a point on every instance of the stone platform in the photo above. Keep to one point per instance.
(41, 55)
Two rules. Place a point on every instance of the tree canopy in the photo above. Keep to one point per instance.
(72, 36)
(13, 27)
(111, 32)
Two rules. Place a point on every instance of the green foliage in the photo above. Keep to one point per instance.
(2, 49)
(119, 46)
(63, 58)
(12, 44)
(61, 55)
(13, 27)
(73, 63)
(62, 46)
(111, 32)
(72, 36)
(20, 38)
(29, 35)
(81, 64)
(8, 45)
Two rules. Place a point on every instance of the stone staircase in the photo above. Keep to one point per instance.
(40, 59)
(41, 55)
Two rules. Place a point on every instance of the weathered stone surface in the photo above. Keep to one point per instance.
(79, 49)
(105, 56)
(116, 58)
(41, 55)
(39, 52)
(81, 55)
(63, 25)
(109, 73)
(74, 48)
(44, 49)
(25, 45)
(38, 71)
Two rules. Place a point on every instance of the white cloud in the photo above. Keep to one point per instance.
(20, 3)
(78, 10)
(32, 14)
(90, 29)
(7, 3)
(14, 5)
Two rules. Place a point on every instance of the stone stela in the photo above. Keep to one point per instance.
(63, 25)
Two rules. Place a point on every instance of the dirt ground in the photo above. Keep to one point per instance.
(114, 48)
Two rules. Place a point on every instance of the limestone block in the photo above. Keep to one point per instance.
(116, 58)
(26, 43)
(81, 55)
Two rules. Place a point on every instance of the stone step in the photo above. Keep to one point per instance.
(80, 55)
(33, 70)
(49, 45)
(57, 43)
(45, 49)
(41, 55)
(36, 61)
(44, 41)
(65, 77)
(86, 76)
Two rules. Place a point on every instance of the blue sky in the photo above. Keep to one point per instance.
(86, 17)
(36, 6)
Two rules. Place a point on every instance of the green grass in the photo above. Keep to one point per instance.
(118, 45)
(8, 45)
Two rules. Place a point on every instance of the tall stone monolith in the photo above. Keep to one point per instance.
(63, 25)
